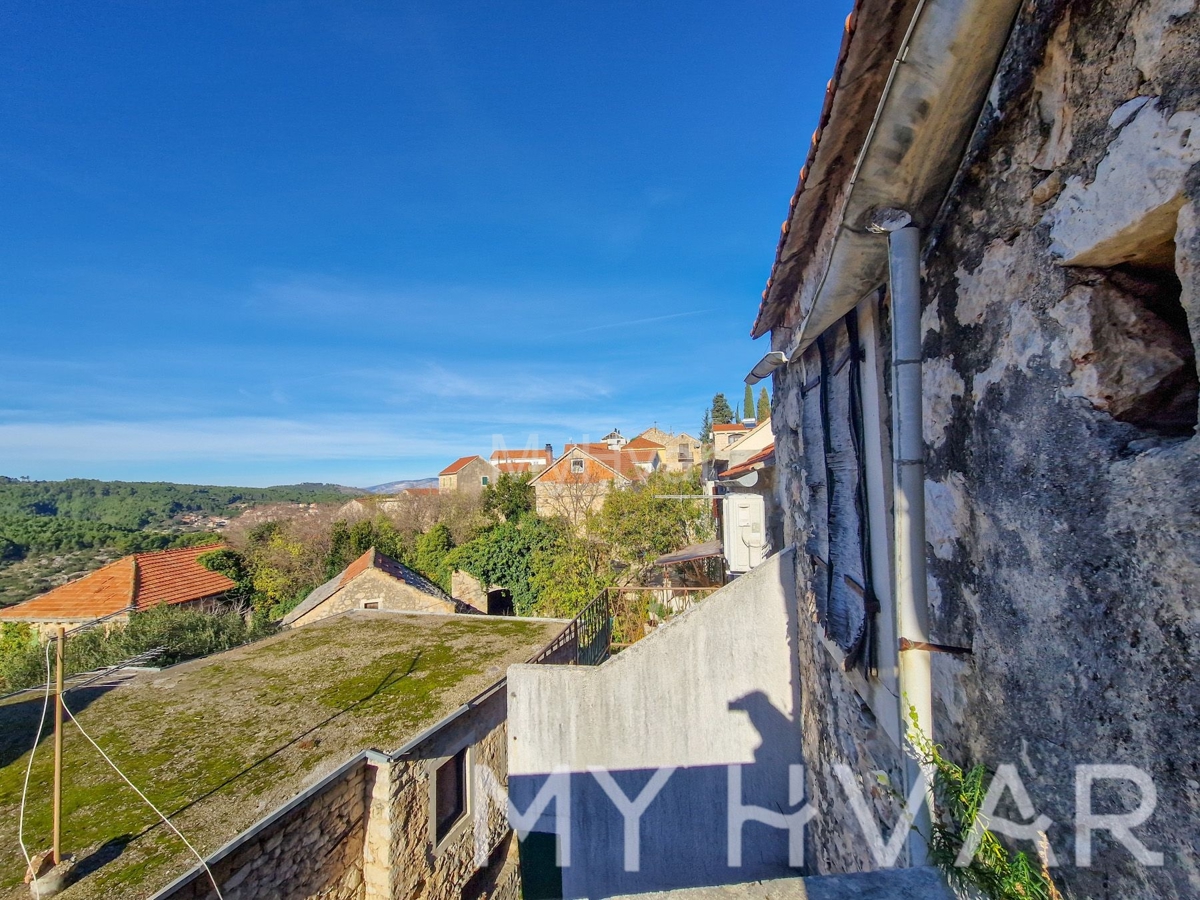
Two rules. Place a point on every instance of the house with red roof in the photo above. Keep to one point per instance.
(467, 473)
(375, 581)
(131, 584)
(520, 462)
(579, 480)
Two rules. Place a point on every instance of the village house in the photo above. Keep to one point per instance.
(680, 451)
(578, 481)
(468, 474)
(128, 585)
(724, 435)
(375, 581)
(521, 462)
(365, 758)
(982, 321)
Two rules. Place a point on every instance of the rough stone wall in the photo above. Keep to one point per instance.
(314, 851)
(373, 586)
(419, 871)
(469, 589)
(1062, 479)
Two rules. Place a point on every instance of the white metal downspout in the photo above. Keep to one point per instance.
(908, 444)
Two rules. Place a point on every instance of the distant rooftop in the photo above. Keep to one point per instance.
(137, 582)
(219, 742)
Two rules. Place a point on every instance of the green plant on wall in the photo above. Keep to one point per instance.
(958, 795)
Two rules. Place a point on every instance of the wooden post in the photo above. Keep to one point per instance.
(58, 729)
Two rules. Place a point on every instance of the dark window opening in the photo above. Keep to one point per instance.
(450, 792)
(500, 602)
(371, 604)
(576, 466)
(1171, 407)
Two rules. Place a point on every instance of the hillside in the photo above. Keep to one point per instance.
(52, 531)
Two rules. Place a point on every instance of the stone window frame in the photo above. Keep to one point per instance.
(578, 465)
(483, 480)
(370, 604)
(464, 820)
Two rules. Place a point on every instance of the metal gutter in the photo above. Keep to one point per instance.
(929, 108)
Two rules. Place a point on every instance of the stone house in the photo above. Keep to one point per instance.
(520, 462)
(680, 451)
(469, 474)
(982, 319)
(364, 759)
(579, 480)
(375, 581)
(130, 584)
(725, 435)
(983, 314)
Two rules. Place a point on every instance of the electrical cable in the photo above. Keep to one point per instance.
(28, 770)
(146, 800)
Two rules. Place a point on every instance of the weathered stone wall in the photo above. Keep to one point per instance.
(1063, 486)
(373, 586)
(402, 861)
(314, 850)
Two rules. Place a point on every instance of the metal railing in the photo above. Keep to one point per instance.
(585, 641)
(637, 610)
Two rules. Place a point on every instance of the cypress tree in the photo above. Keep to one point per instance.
(748, 403)
(764, 405)
(721, 413)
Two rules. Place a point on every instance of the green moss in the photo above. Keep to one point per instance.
(216, 743)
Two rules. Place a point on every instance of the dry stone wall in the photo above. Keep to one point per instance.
(1062, 310)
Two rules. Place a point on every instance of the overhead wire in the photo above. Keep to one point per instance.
(147, 801)
(28, 771)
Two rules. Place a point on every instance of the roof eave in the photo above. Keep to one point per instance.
(906, 148)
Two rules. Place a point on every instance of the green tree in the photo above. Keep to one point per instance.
(568, 574)
(504, 555)
(706, 427)
(432, 548)
(509, 497)
(764, 405)
(748, 402)
(637, 527)
(722, 414)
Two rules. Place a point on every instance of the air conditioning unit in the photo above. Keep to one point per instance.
(743, 518)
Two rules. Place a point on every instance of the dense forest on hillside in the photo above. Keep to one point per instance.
(134, 505)
(54, 530)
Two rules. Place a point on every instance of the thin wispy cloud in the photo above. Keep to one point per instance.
(630, 323)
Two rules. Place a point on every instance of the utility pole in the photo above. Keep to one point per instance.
(58, 730)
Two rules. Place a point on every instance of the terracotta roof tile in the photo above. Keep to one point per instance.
(732, 426)
(133, 582)
(762, 458)
(542, 455)
(458, 465)
(641, 443)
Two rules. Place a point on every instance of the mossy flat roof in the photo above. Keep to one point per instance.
(220, 742)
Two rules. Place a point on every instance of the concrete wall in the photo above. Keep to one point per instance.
(374, 586)
(715, 686)
(1063, 534)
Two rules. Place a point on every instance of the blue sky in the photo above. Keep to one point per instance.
(260, 243)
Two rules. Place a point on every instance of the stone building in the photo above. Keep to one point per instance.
(360, 758)
(469, 474)
(375, 581)
(131, 584)
(984, 308)
(578, 481)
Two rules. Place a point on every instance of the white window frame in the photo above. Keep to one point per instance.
(578, 465)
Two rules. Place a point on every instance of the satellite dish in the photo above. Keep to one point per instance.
(750, 479)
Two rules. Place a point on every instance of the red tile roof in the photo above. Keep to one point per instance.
(516, 468)
(732, 426)
(520, 455)
(760, 459)
(623, 460)
(458, 465)
(641, 443)
(135, 582)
